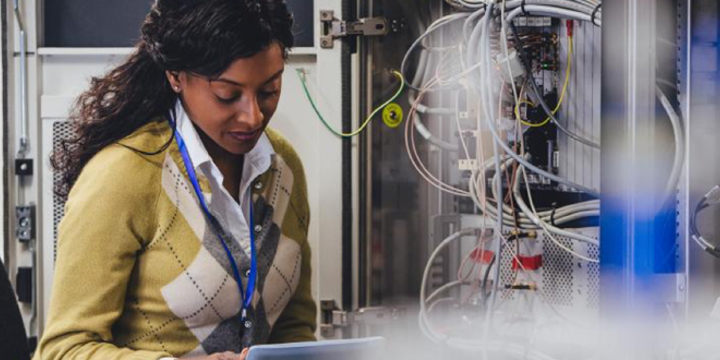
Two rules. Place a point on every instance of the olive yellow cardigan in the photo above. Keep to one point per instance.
(140, 274)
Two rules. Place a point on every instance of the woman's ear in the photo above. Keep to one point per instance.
(174, 80)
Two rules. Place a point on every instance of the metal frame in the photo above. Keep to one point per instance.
(700, 102)
(634, 276)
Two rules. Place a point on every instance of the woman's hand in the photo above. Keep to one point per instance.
(228, 355)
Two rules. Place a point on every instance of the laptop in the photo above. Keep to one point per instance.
(351, 349)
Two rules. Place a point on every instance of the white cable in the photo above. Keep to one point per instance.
(432, 28)
(469, 345)
(543, 10)
(549, 229)
(479, 59)
(488, 116)
(560, 216)
(426, 275)
(679, 144)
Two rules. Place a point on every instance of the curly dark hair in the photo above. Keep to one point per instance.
(203, 37)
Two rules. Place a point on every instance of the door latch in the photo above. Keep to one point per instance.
(333, 318)
(333, 28)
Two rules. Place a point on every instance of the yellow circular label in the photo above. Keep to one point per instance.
(392, 115)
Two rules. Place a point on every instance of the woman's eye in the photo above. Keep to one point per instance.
(227, 100)
(269, 94)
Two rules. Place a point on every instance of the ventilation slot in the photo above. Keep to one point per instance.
(61, 130)
(557, 271)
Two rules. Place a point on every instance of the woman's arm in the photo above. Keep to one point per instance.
(99, 240)
(299, 319)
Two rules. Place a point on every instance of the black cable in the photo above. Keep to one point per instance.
(483, 286)
(522, 7)
(594, 14)
(695, 232)
(713, 252)
(693, 218)
(486, 277)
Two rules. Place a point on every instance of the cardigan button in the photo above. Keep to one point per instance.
(248, 324)
(258, 228)
(258, 185)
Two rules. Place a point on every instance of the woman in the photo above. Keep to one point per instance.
(185, 233)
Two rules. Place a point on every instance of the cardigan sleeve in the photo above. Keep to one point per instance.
(298, 321)
(108, 219)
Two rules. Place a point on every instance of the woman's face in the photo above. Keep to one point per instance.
(234, 109)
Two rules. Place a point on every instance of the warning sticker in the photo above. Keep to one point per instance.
(392, 115)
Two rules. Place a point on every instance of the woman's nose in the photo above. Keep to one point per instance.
(250, 112)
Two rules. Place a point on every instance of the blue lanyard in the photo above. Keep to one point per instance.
(246, 298)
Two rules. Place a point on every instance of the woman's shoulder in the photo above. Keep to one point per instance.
(132, 164)
(145, 146)
(149, 138)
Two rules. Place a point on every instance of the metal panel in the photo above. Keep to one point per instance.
(567, 284)
(580, 111)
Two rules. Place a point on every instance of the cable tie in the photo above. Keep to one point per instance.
(713, 196)
(594, 14)
(522, 7)
(552, 214)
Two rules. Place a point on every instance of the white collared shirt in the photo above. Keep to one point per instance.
(221, 204)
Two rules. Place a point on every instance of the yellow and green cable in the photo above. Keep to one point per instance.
(367, 121)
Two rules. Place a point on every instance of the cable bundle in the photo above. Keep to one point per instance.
(712, 198)
(486, 28)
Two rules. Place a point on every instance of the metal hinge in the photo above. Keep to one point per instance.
(333, 318)
(333, 28)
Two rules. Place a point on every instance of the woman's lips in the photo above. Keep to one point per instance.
(244, 136)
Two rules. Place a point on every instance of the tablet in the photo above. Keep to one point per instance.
(353, 349)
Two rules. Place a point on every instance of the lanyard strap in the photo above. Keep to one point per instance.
(247, 295)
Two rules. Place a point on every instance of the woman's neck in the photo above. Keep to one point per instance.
(229, 164)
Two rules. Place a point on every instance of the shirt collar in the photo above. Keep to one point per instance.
(257, 161)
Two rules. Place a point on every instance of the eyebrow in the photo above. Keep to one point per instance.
(233, 82)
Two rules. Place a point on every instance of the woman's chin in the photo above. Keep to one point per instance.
(240, 147)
